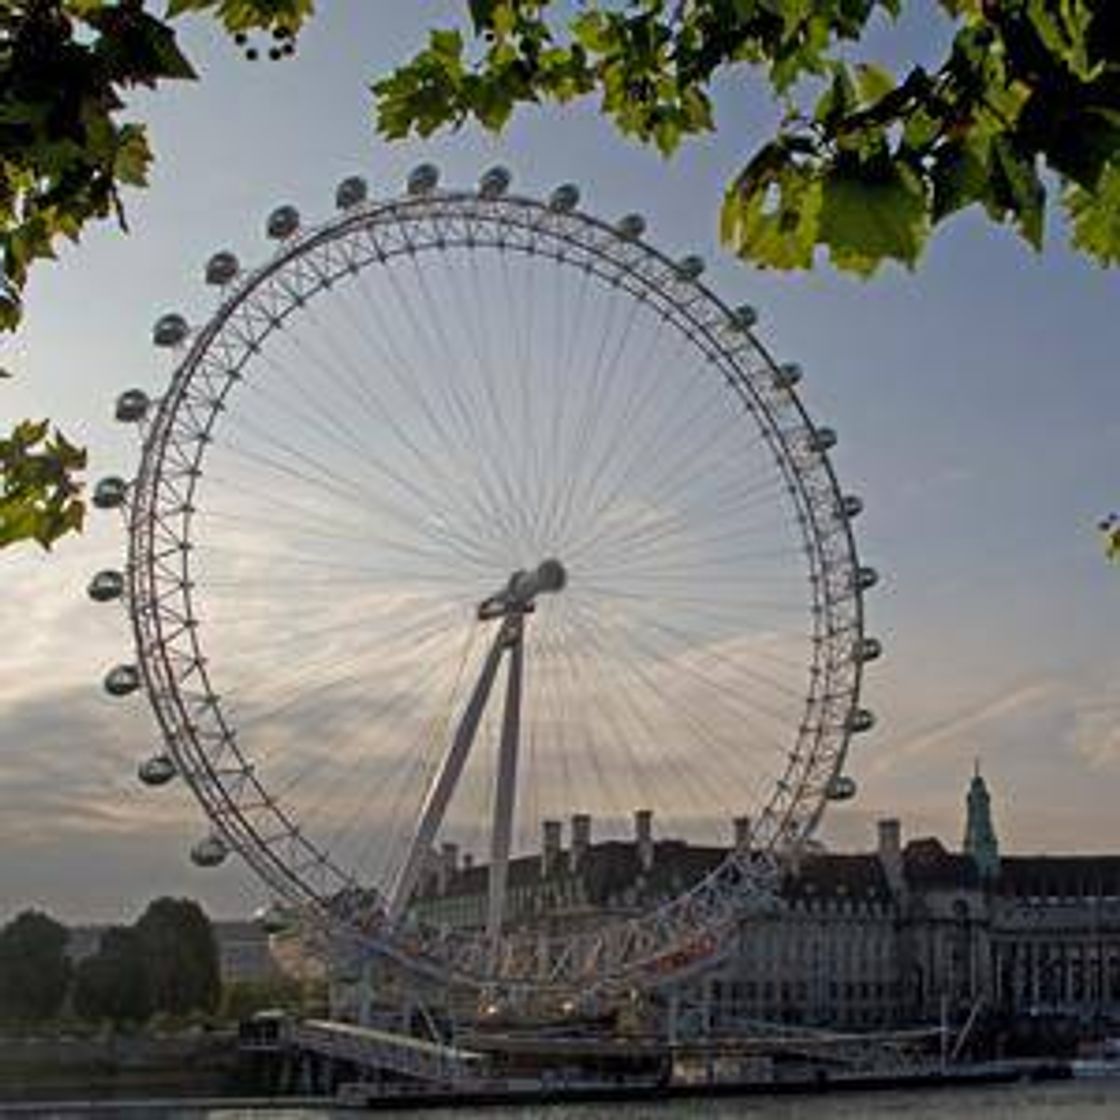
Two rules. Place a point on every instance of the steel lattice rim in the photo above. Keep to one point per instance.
(173, 664)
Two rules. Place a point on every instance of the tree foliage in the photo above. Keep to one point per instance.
(1019, 119)
(34, 968)
(864, 163)
(66, 153)
(180, 956)
(112, 985)
(38, 486)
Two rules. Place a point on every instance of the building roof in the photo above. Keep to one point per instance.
(1063, 876)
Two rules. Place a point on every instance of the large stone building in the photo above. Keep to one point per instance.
(897, 935)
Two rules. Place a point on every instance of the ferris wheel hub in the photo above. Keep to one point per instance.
(520, 592)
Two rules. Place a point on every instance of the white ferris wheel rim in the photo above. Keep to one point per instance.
(172, 662)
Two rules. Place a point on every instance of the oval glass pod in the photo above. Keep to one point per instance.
(866, 578)
(495, 182)
(221, 268)
(132, 406)
(631, 226)
(564, 199)
(110, 492)
(106, 586)
(209, 852)
(787, 375)
(170, 329)
(423, 179)
(351, 192)
(272, 918)
(743, 317)
(861, 720)
(851, 505)
(157, 770)
(821, 439)
(282, 222)
(869, 649)
(121, 680)
(841, 788)
(690, 267)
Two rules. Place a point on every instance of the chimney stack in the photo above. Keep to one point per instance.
(890, 852)
(551, 840)
(742, 826)
(448, 865)
(643, 837)
(581, 839)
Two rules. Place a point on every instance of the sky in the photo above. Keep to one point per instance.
(976, 402)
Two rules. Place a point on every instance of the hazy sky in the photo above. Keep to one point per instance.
(977, 404)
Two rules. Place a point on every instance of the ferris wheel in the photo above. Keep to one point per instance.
(466, 512)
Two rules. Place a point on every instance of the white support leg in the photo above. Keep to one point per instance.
(501, 831)
(443, 786)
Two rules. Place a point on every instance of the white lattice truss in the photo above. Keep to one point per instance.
(204, 745)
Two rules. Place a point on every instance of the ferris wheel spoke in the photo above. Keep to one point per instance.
(632, 682)
(668, 649)
(616, 530)
(312, 470)
(679, 475)
(594, 406)
(337, 487)
(467, 410)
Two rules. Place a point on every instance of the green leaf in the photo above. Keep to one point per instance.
(773, 221)
(959, 176)
(866, 218)
(133, 156)
(1095, 217)
(873, 81)
(1017, 188)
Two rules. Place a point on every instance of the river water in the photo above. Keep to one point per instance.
(1098, 1100)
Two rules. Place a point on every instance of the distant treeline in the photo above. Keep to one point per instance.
(166, 962)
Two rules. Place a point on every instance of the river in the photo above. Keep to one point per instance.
(1085, 1100)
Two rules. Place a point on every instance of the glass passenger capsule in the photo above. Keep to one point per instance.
(106, 586)
(110, 492)
(221, 268)
(157, 770)
(821, 439)
(867, 578)
(787, 375)
(869, 649)
(423, 179)
(282, 223)
(132, 406)
(351, 192)
(690, 267)
(631, 226)
(121, 680)
(170, 330)
(841, 788)
(495, 182)
(743, 317)
(564, 199)
(209, 852)
(861, 720)
(272, 918)
(851, 505)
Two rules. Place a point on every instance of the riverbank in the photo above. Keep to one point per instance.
(117, 1067)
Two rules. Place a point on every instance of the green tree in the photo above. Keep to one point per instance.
(864, 163)
(34, 968)
(66, 154)
(180, 956)
(112, 984)
(1021, 117)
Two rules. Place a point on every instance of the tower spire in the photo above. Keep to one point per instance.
(979, 833)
